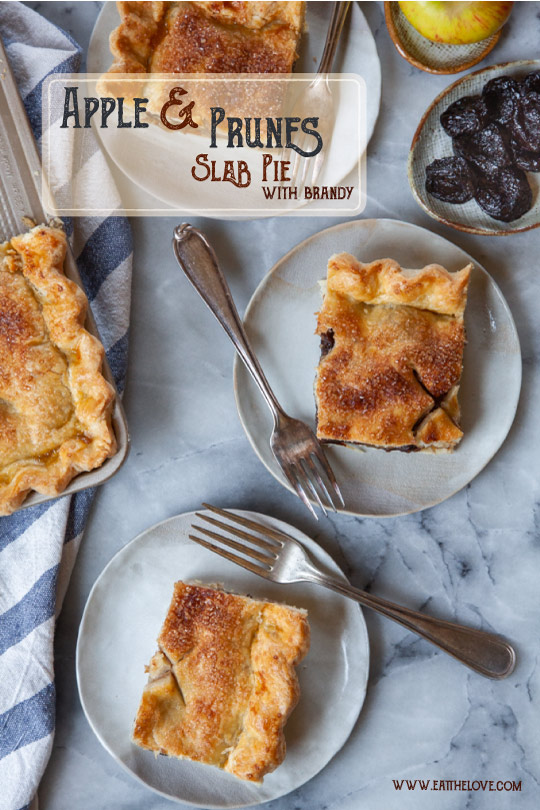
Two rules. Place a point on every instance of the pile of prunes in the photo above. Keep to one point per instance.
(496, 139)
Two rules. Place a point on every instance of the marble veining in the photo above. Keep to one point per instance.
(474, 558)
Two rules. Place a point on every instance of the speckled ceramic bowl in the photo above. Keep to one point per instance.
(433, 57)
(431, 142)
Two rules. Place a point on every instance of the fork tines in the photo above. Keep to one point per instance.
(313, 473)
(258, 561)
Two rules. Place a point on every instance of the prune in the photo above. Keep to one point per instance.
(528, 161)
(327, 342)
(487, 150)
(464, 116)
(531, 82)
(501, 95)
(496, 139)
(451, 180)
(525, 127)
(505, 195)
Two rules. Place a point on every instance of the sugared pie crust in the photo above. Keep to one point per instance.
(391, 355)
(191, 37)
(55, 405)
(222, 684)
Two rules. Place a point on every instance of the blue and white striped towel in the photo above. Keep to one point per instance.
(38, 546)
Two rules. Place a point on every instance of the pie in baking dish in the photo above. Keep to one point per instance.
(391, 355)
(206, 37)
(55, 405)
(222, 684)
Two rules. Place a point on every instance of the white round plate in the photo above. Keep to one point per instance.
(358, 56)
(431, 142)
(117, 638)
(280, 320)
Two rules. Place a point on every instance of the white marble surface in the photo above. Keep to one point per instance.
(475, 558)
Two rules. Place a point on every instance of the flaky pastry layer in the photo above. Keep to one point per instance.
(222, 684)
(55, 405)
(385, 282)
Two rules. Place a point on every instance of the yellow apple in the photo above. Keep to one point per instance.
(456, 23)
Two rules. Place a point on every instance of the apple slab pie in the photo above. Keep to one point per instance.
(392, 345)
(157, 41)
(55, 405)
(206, 37)
(222, 684)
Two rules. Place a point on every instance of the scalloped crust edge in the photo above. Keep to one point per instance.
(43, 250)
(384, 281)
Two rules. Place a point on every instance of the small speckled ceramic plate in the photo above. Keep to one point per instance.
(280, 320)
(431, 142)
(433, 57)
(117, 638)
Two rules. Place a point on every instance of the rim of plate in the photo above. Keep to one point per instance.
(516, 63)
(259, 291)
(283, 525)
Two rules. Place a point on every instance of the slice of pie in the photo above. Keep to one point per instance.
(391, 355)
(55, 405)
(222, 684)
(157, 41)
(207, 37)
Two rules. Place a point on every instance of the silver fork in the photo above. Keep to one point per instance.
(277, 556)
(315, 98)
(294, 445)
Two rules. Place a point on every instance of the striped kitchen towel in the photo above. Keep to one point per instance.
(38, 545)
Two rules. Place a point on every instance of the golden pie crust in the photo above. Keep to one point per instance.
(55, 405)
(392, 345)
(206, 37)
(156, 42)
(222, 684)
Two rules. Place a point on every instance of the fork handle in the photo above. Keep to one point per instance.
(486, 653)
(339, 12)
(197, 258)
